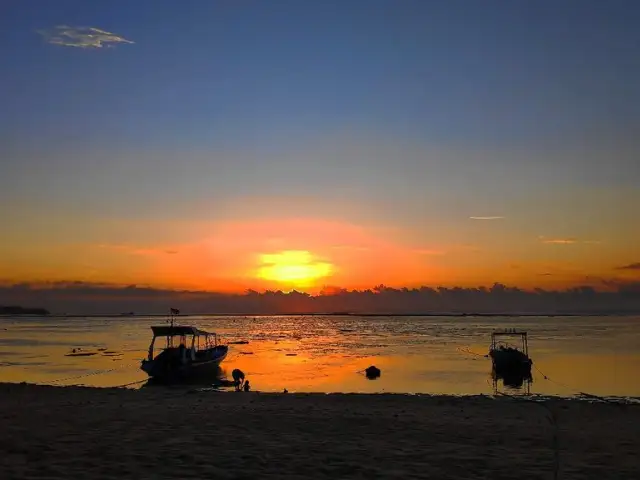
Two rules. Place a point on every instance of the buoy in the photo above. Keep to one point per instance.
(372, 372)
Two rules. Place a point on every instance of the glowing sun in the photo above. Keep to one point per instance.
(293, 267)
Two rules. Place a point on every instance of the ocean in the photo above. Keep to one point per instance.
(595, 355)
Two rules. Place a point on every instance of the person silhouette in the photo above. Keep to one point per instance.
(238, 378)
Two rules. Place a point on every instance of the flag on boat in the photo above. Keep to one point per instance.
(175, 311)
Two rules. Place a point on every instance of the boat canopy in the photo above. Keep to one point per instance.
(512, 332)
(509, 333)
(177, 331)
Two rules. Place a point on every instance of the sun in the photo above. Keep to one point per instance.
(293, 267)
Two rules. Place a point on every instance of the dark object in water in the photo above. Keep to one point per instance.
(239, 342)
(509, 361)
(291, 354)
(80, 354)
(372, 372)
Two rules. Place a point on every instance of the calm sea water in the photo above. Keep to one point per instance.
(596, 355)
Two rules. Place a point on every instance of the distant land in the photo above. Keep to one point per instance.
(16, 310)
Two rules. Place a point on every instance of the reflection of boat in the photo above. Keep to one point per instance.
(197, 352)
(512, 379)
(510, 363)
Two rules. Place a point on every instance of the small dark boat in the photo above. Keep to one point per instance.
(195, 352)
(508, 360)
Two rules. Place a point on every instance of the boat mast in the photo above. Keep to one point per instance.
(172, 313)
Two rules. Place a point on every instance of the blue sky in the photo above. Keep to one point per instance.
(397, 113)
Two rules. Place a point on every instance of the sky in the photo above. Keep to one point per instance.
(226, 145)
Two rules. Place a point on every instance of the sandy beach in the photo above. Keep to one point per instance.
(75, 432)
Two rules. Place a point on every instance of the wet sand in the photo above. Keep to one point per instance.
(75, 432)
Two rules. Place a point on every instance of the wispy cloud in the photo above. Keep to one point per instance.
(631, 266)
(560, 241)
(81, 37)
(566, 241)
(488, 218)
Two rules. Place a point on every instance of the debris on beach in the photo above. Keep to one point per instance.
(372, 372)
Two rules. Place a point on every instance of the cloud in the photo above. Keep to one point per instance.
(560, 241)
(487, 218)
(100, 298)
(567, 241)
(82, 37)
(631, 266)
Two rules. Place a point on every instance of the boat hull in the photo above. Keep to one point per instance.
(161, 370)
(510, 362)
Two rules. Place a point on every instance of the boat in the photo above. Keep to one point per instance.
(508, 360)
(188, 351)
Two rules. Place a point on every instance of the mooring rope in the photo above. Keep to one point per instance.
(90, 374)
(469, 352)
(130, 383)
(584, 394)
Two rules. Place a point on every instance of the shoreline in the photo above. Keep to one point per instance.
(157, 432)
(208, 388)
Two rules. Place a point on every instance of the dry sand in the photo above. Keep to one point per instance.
(73, 432)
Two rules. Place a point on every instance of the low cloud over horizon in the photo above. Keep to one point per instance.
(99, 298)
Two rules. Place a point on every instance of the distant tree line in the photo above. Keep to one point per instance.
(16, 310)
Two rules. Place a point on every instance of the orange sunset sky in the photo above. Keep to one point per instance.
(310, 253)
